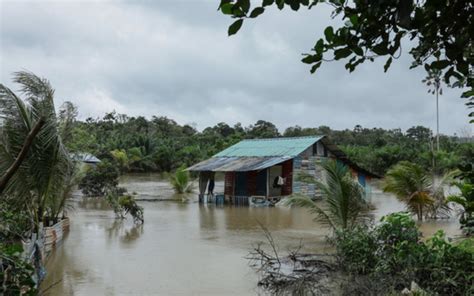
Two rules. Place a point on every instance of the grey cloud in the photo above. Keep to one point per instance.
(173, 58)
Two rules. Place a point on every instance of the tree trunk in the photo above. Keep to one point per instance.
(22, 155)
(420, 213)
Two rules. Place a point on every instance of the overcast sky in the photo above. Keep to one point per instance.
(173, 58)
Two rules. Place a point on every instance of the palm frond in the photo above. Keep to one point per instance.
(303, 201)
(42, 176)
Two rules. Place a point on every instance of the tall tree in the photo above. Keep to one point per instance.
(42, 175)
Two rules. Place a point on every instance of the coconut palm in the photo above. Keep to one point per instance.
(465, 198)
(181, 182)
(343, 204)
(411, 184)
(41, 176)
(418, 189)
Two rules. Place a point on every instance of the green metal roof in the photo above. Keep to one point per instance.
(290, 147)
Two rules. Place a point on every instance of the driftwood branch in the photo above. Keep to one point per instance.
(22, 155)
(293, 274)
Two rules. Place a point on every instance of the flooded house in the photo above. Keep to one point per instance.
(265, 170)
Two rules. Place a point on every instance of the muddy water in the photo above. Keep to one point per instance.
(183, 248)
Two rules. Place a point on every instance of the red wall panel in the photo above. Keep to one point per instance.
(287, 173)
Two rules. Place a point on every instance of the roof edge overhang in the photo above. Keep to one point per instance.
(237, 164)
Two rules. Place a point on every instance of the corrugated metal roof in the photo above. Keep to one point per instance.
(258, 154)
(290, 147)
(237, 164)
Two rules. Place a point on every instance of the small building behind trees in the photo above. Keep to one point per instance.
(267, 168)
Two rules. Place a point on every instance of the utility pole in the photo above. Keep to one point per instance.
(437, 85)
(433, 81)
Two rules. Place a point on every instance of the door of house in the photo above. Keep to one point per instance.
(240, 184)
(261, 183)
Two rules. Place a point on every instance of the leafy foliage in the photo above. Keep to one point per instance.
(97, 180)
(417, 189)
(343, 198)
(439, 33)
(160, 144)
(39, 184)
(465, 198)
(124, 204)
(16, 273)
(181, 182)
(392, 255)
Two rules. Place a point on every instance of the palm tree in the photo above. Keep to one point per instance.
(181, 181)
(465, 199)
(343, 204)
(41, 177)
(418, 189)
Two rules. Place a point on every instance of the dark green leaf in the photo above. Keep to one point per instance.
(329, 33)
(467, 94)
(227, 8)
(357, 50)
(440, 64)
(280, 4)
(295, 5)
(235, 27)
(319, 47)
(342, 53)
(315, 67)
(380, 49)
(387, 64)
(354, 19)
(310, 59)
(257, 11)
(267, 2)
(245, 5)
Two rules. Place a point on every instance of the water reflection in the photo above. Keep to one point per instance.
(182, 248)
(126, 233)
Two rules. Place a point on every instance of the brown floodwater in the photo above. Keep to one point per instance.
(183, 248)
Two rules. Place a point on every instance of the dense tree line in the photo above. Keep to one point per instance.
(161, 144)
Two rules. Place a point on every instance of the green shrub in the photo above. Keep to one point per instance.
(392, 255)
(98, 179)
(16, 274)
(181, 182)
(124, 204)
(356, 249)
(445, 268)
(467, 245)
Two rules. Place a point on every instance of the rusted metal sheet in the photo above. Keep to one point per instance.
(237, 164)
(287, 174)
(229, 183)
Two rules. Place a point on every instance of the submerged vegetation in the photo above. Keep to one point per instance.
(391, 255)
(343, 204)
(465, 197)
(124, 204)
(181, 181)
(38, 176)
(418, 189)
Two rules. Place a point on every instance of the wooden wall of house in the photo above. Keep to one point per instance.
(252, 182)
(287, 174)
(229, 178)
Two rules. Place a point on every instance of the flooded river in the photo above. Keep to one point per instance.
(183, 248)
